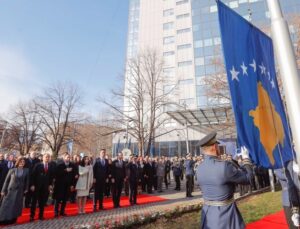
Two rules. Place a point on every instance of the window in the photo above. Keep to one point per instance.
(169, 40)
(213, 9)
(186, 102)
(168, 26)
(208, 42)
(183, 30)
(181, 16)
(186, 82)
(234, 4)
(181, 2)
(184, 46)
(185, 63)
(168, 12)
(199, 61)
(168, 89)
(198, 44)
(170, 53)
(169, 71)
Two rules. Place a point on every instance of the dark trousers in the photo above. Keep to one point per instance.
(189, 185)
(166, 180)
(177, 180)
(126, 187)
(116, 192)
(133, 192)
(28, 198)
(99, 193)
(61, 200)
(288, 217)
(40, 196)
(148, 182)
(155, 182)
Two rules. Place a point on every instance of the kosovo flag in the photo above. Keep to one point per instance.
(259, 113)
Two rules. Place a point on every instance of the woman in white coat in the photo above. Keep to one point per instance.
(84, 183)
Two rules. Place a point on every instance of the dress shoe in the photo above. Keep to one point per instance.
(31, 219)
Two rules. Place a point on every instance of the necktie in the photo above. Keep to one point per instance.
(46, 168)
(102, 162)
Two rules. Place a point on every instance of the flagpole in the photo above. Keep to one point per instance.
(288, 69)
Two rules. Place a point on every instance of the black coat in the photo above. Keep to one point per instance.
(3, 172)
(63, 180)
(118, 170)
(40, 179)
(133, 172)
(100, 171)
(148, 170)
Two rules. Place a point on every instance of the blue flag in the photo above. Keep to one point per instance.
(259, 113)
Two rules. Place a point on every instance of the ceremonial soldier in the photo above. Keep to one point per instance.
(217, 180)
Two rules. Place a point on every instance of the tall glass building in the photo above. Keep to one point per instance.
(187, 35)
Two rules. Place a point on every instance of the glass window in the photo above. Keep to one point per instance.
(234, 4)
(200, 81)
(199, 61)
(189, 101)
(169, 40)
(208, 42)
(198, 44)
(202, 101)
(201, 90)
(184, 46)
(213, 8)
(170, 53)
(200, 70)
(169, 25)
(181, 2)
(217, 40)
(185, 63)
(181, 16)
(186, 30)
(169, 71)
(168, 89)
(186, 82)
(168, 12)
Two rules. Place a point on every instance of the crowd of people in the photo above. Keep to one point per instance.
(38, 180)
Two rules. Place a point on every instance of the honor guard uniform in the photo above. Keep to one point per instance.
(217, 180)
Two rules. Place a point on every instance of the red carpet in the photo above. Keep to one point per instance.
(273, 221)
(71, 209)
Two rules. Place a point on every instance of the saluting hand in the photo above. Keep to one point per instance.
(32, 188)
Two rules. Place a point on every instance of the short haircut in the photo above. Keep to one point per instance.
(19, 161)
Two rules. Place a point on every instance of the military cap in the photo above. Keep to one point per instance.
(208, 140)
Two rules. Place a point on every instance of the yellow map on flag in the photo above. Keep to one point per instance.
(268, 121)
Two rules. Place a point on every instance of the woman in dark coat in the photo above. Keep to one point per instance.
(15, 186)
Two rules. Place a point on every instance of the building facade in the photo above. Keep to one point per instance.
(186, 34)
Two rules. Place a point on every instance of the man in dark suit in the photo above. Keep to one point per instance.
(41, 184)
(100, 170)
(30, 162)
(148, 174)
(133, 179)
(64, 184)
(11, 161)
(119, 175)
(3, 170)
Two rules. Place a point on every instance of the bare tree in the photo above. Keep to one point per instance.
(144, 99)
(23, 127)
(57, 109)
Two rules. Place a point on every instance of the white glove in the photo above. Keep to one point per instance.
(244, 153)
(296, 219)
(296, 168)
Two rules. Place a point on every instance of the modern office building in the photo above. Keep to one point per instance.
(186, 33)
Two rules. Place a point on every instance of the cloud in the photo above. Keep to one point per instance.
(17, 77)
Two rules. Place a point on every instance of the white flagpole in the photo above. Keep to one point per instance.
(288, 69)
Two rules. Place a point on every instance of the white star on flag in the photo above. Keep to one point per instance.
(253, 65)
(273, 83)
(234, 74)
(262, 69)
(244, 68)
(269, 75)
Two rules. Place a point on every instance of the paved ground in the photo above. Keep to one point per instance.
(175, 198)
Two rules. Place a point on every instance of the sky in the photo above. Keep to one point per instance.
(43, 42)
